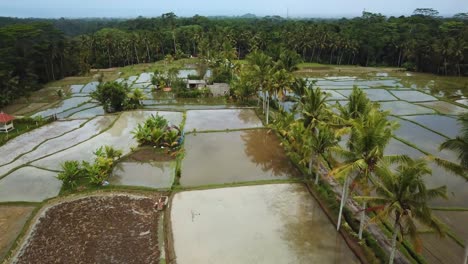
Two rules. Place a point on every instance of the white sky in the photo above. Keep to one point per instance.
(296, 8)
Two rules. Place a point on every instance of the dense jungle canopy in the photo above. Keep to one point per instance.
(36, 51)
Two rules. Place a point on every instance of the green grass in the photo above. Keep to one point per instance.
(307, 65)
(21, 126)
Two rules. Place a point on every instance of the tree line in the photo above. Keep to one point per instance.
(36, 51)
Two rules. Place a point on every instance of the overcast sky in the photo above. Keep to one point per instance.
(296, 8)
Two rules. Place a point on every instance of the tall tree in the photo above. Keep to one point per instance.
(403, 197)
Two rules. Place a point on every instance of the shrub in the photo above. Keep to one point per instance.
(202, 93)
(95, 173)
(157, 132)
(71, 174)
(112, 95)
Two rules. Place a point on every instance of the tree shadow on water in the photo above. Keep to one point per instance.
(264, 149)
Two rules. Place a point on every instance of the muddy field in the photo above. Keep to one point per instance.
(97, 229)
(12, 219)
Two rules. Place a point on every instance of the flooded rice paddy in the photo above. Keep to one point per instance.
(277, 223)
(152, 174)
(238, 156)
(29, 184)
(206, 120)
(119, 136)
(413, 96)
(405, 108)
(26, 142)
(46, 146)
(66, 104)
(445, 107)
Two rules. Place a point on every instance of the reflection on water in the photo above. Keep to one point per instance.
(63, 106)
(204, 120)
(445, 108)
(445, 125)
(441, 250)
(29, 184)
(150, 174)
(276, 223)
(404, 108)
(413, 96)
(239, 156)
(119, 136)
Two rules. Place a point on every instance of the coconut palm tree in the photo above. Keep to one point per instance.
(403, 196)
(460, 144)
(261, 68)
(313, 107)
(369, 136)
(359, 105)
(317, 144)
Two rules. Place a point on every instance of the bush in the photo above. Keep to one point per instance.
(194, 77)
(95, 173)
(71, 174)
(185, 93)
(157, 132)
(112, 95)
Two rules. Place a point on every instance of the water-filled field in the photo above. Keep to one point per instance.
(276, 223)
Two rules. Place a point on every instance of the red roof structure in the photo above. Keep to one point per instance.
(5, 118)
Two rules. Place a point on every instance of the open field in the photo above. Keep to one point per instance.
(96, 229)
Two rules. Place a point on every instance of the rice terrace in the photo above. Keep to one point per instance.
(234, 139)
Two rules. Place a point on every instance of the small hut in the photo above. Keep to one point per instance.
(6, 122)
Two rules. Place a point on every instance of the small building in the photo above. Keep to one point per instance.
(195, 84)
(6, 122)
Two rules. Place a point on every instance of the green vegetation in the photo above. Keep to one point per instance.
(156, 132)
(54, 49)
(361, 162)
(75, 175)
(460, 143)
(116, 97)
(23, 125)
(403, 196)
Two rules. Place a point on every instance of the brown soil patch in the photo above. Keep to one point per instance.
(12, 220)
(149, 154)
(97, 229)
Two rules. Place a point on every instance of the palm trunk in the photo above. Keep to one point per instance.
(268, 108)
(310, 164)
(399, 59)
(394, 237)
(344, 197)
(136, 54)
(148, 52)
(312, 56)
(263, 101)
(175, 47)
(363, 217)
(317, 170)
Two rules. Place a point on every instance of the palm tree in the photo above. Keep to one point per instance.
(282, 82)
(313, 107)
(359, 105)
(261, 68)
(403, 196)
(317, 144)
(369, 136)
(460, 143)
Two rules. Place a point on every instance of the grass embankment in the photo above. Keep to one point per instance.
(22, 126)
